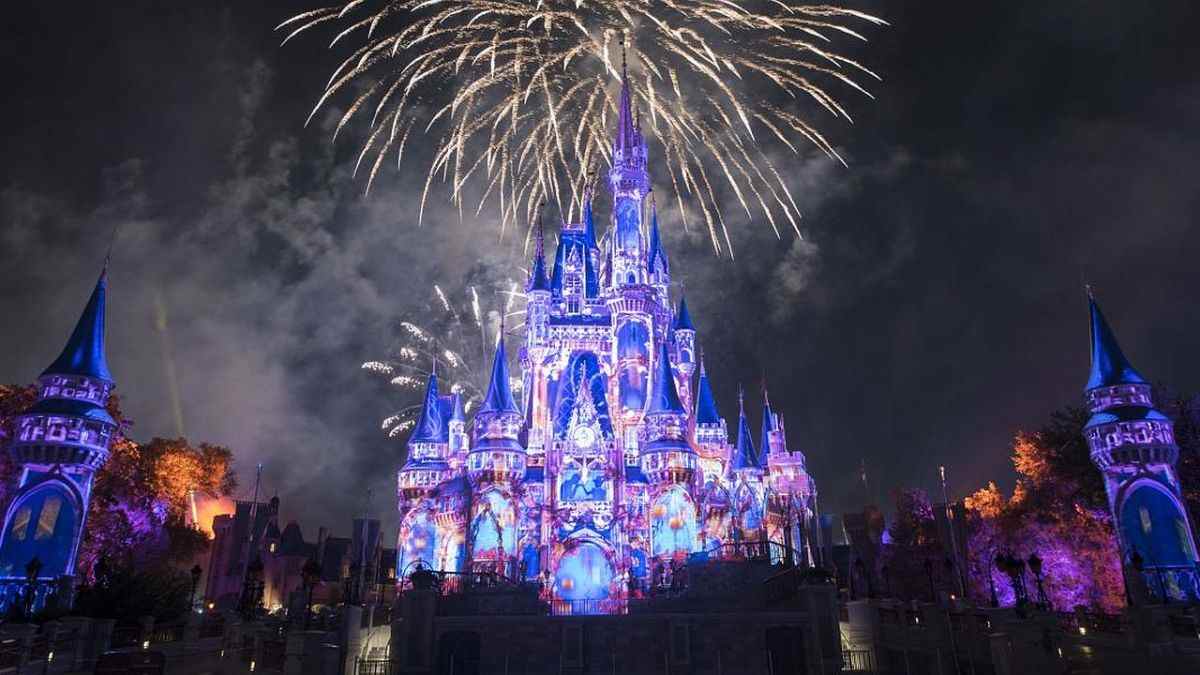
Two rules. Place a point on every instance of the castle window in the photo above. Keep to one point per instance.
(1144, 513)
(48, 518)
(20, 524)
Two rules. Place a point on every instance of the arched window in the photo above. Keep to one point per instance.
(1153, 525)
(673, 526)
(42, 526)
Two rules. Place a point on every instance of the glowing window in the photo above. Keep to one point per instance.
(20, 524)
(48, 518)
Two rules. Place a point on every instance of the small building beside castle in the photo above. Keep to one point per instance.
(60, 443)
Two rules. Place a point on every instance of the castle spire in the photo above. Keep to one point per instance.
(429, 427)
(706, 404)
(538, 281)
(499, 397)
(683, 318)
(1109, 365)
(768, 421)
(84, 352)
(744, 455)
(664, 398)
(658, 256)
(627, 131)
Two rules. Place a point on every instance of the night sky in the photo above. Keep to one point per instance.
(935, 307)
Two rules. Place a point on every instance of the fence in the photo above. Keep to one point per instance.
(858, 661)
(373, 666)
(587, 607)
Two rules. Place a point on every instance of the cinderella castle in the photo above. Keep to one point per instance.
(616, 462)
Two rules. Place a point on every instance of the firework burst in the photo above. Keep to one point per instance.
(519, 94)
(457, 341)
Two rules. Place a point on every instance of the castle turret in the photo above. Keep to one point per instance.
(61, 441)
(1133, 445)
(667, 457)
(496, 455)
(685, 340)
(428, 447)
(745, 459)
(657, 267)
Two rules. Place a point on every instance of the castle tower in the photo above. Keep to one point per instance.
(712, 436)
(495, 467)
(61, 442)
(496, 456)
(683, 333)
(1133, 445)
(667, 457)
(630, 183)
(428, 447)
(746, 482)
(658, 269)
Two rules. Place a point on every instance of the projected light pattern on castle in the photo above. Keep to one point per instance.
(615, 462)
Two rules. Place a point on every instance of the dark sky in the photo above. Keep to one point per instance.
(934, 308)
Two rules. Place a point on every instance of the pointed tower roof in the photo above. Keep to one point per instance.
(706, 405)
(744, 455)
(683, 318)
(538, 281)
(657, 254)
(628, 135)
(664, 398)
(499, 398)
(768, 423)
(589, 221)
(430, 427)
(458, 414)
(1109, 365)
(84, 352)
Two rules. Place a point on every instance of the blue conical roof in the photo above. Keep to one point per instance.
(459, 415)
(1109, 365)
(706, 405)
(657, 254)
(664, 398)
(683, 318)
(744, 456)
(538, 281)
(499, 397)
(627, 132)
(430, 427)
(768, 424)
(84, 352)
(589, 222)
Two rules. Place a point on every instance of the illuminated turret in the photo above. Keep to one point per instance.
(61, 441)
(428, 446)
(496, 454)
(1133, 445)
(666, 454)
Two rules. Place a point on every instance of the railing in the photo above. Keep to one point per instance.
(587, 607)
(373, 666)
(858, 661)
(770, 551)
(1083, 622)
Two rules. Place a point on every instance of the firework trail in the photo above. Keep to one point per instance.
(457, 341)
(518, 94)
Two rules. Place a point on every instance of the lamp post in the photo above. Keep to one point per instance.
(1035, 566)
(887, 581)
(32, 569)
(196, 571)
(253, 587)
(311, 576)
(858, 564)
(929, 577)
(999, 562)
